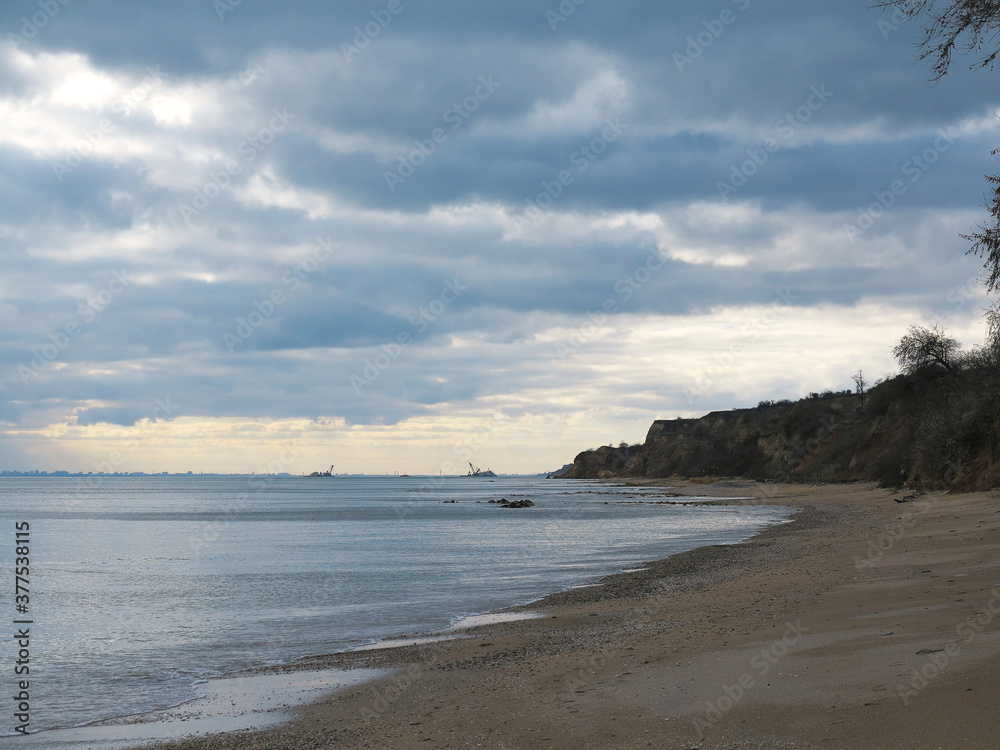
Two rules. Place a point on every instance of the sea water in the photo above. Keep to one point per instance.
(141, 588)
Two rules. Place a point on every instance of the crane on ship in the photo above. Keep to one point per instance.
(475, 471)
(323, 473)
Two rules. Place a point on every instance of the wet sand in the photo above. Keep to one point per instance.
(229, 704)
(863, 623)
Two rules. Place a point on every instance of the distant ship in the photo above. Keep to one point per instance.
(323, 473)
(475, 471)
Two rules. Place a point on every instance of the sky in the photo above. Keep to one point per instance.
(403, 235)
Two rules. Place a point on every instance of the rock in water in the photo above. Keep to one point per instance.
(518, 504)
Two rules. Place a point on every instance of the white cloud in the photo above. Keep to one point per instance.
(265, 190)
(603, 95)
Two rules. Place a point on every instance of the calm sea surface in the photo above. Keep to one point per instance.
(141, 588)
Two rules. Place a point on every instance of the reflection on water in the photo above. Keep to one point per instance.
(144, 586)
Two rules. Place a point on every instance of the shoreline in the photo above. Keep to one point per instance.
(355, 657)
(386, 655)
(862, 623)
(200, 719)
(229, 704)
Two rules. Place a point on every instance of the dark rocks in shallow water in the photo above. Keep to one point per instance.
(505, 503)
(518, 504)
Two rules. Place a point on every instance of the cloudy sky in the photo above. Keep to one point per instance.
(396, 235)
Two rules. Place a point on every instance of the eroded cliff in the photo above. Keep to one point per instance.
(910, 430)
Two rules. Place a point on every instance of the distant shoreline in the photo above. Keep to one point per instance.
(283, 475)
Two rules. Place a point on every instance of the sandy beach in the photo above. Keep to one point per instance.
(862, 623)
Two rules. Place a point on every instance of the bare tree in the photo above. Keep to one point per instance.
(965, 26)
(969, 27)
(989, 354)
(986, 242)
(860, 387)
(923, 348)
(993, 327)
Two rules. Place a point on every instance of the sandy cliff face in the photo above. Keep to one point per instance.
(907, 431)
(601, 463)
